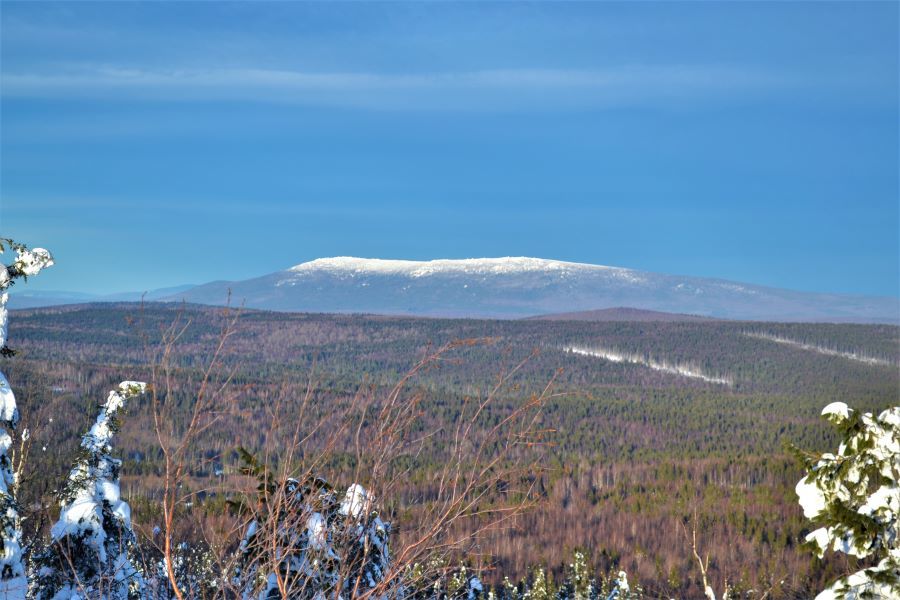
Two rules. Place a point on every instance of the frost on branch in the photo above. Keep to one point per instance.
(13, 583)
(91, 543)
(854, 499)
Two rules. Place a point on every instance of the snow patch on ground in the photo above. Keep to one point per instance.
(665, 367)
(858, 357)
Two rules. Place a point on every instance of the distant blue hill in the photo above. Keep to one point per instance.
(503, 288)
(22, 297)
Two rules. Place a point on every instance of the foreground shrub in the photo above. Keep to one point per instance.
(307, 541)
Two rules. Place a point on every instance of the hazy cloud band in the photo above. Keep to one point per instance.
(485, 88)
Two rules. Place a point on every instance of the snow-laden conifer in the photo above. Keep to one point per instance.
(509, 590)
(91, 543)
(308, 542)
(854, 498)
(13, 582)
(620, 590)
(461, 585)
(580, 582)
(540, 587)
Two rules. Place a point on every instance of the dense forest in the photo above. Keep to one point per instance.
(632, 460)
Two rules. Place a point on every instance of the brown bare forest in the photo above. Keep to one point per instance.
(618, 459)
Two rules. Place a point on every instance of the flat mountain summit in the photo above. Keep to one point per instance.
(516, 287)
(469, 266)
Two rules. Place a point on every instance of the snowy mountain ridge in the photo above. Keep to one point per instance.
(469, 266)
(518, 286)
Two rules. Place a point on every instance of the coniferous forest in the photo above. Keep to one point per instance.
(673, 476)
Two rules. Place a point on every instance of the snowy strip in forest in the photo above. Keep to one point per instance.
(869, 360)
(674, 369)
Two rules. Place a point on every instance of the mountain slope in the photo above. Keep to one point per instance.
(522, 287)
(621, 313)
(26, 298)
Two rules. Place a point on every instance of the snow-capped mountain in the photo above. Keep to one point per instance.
(515, 287)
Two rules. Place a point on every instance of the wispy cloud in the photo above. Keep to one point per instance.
(472, 89)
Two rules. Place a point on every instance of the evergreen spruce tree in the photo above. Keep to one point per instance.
(509, 591)
(579, 584)
(307, 543)
(90, 549)
(463, 585)
(13, 582)
(854, 499)
(540, 586)
(621, 590)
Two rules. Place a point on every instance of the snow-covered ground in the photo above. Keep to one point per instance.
(665, 367)
(869, 360)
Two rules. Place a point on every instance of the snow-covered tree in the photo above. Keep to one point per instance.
(541, 586)
(508, 590)
(307, 542)
(90, 549)
(461, 585)
(13, 582)
(579, 583)
(615, 586)
(854, 499)
(620, 589)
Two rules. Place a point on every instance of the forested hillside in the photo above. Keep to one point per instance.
(637, 455)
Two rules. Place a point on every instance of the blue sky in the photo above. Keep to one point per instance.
(157, 144)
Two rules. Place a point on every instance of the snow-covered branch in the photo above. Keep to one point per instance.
(854, 498)
(13, 584)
